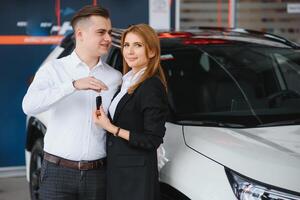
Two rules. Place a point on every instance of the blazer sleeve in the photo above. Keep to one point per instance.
(154, 106)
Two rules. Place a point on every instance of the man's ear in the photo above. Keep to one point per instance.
(78, 33)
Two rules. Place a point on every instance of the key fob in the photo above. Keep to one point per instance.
(98, 102)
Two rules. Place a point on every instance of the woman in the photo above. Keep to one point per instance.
(138, 116)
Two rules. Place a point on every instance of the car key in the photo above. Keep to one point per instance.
(98, 102)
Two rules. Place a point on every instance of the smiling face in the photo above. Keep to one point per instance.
(134, 52)
(94, 34)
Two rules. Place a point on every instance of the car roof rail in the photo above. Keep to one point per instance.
(270, 36)
(249, 32)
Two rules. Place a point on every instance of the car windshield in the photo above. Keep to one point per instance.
(239, 85)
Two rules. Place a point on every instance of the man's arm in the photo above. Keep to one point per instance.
(44, 92)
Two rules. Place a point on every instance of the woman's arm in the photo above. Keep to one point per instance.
(153, 105)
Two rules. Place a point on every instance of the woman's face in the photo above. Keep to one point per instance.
(134, 52)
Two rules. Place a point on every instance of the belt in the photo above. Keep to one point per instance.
(79, 165)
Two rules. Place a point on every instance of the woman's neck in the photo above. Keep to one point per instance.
(136, 70)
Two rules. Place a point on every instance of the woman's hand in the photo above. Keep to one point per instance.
(101, 119)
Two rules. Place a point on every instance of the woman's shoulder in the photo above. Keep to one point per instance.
(151, 86)
(152, 93)
(152, 82)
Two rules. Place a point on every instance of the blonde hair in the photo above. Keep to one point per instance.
(152, 44)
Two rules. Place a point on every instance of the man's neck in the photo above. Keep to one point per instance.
(87, 59)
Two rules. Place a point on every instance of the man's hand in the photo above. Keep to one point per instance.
(89, 83)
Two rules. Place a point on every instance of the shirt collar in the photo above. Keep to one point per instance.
(133, 78)
(76, 61)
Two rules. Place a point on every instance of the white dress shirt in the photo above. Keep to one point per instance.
(129, 79)
(71, 133)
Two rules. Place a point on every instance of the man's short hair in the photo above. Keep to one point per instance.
(88, 11)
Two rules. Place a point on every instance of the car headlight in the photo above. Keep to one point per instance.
(246, 189)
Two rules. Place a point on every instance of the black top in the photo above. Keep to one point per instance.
(132, 165)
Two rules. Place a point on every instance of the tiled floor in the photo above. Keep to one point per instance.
(15, 188)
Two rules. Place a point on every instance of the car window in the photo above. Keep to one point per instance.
(273, 72)
(114, 58)
(290, 69)
(244, 84)
(68, 44)
(200, 88)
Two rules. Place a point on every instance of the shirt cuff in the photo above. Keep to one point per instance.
(68, 88)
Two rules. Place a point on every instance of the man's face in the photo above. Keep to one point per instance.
(96, 36)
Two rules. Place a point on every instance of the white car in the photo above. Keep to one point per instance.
(234, 125)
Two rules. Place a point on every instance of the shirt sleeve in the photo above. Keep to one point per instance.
(154, 107)
(44, 92)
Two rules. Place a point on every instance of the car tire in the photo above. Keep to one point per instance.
(36, 159)
(169, 193)
(166, 197)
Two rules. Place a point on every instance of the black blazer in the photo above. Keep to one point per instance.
(132, 165)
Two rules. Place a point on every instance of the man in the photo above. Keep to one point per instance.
(74, 147)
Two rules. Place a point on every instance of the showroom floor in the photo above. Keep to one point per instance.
(15, 188)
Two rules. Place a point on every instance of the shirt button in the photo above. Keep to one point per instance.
(109, 143)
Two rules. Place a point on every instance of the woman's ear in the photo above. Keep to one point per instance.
(151, 54)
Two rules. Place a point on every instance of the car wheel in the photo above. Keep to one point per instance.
(166, 197)
(35, 168)
(170, 196)
(169, 193)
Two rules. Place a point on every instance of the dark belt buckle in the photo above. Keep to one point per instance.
(83, 165)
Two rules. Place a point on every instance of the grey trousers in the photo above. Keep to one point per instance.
(59, 183)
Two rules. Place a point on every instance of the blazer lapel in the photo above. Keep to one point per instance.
(117, 92)
(121, 105)
(109, 117)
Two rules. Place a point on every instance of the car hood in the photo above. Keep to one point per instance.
(270, 155)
